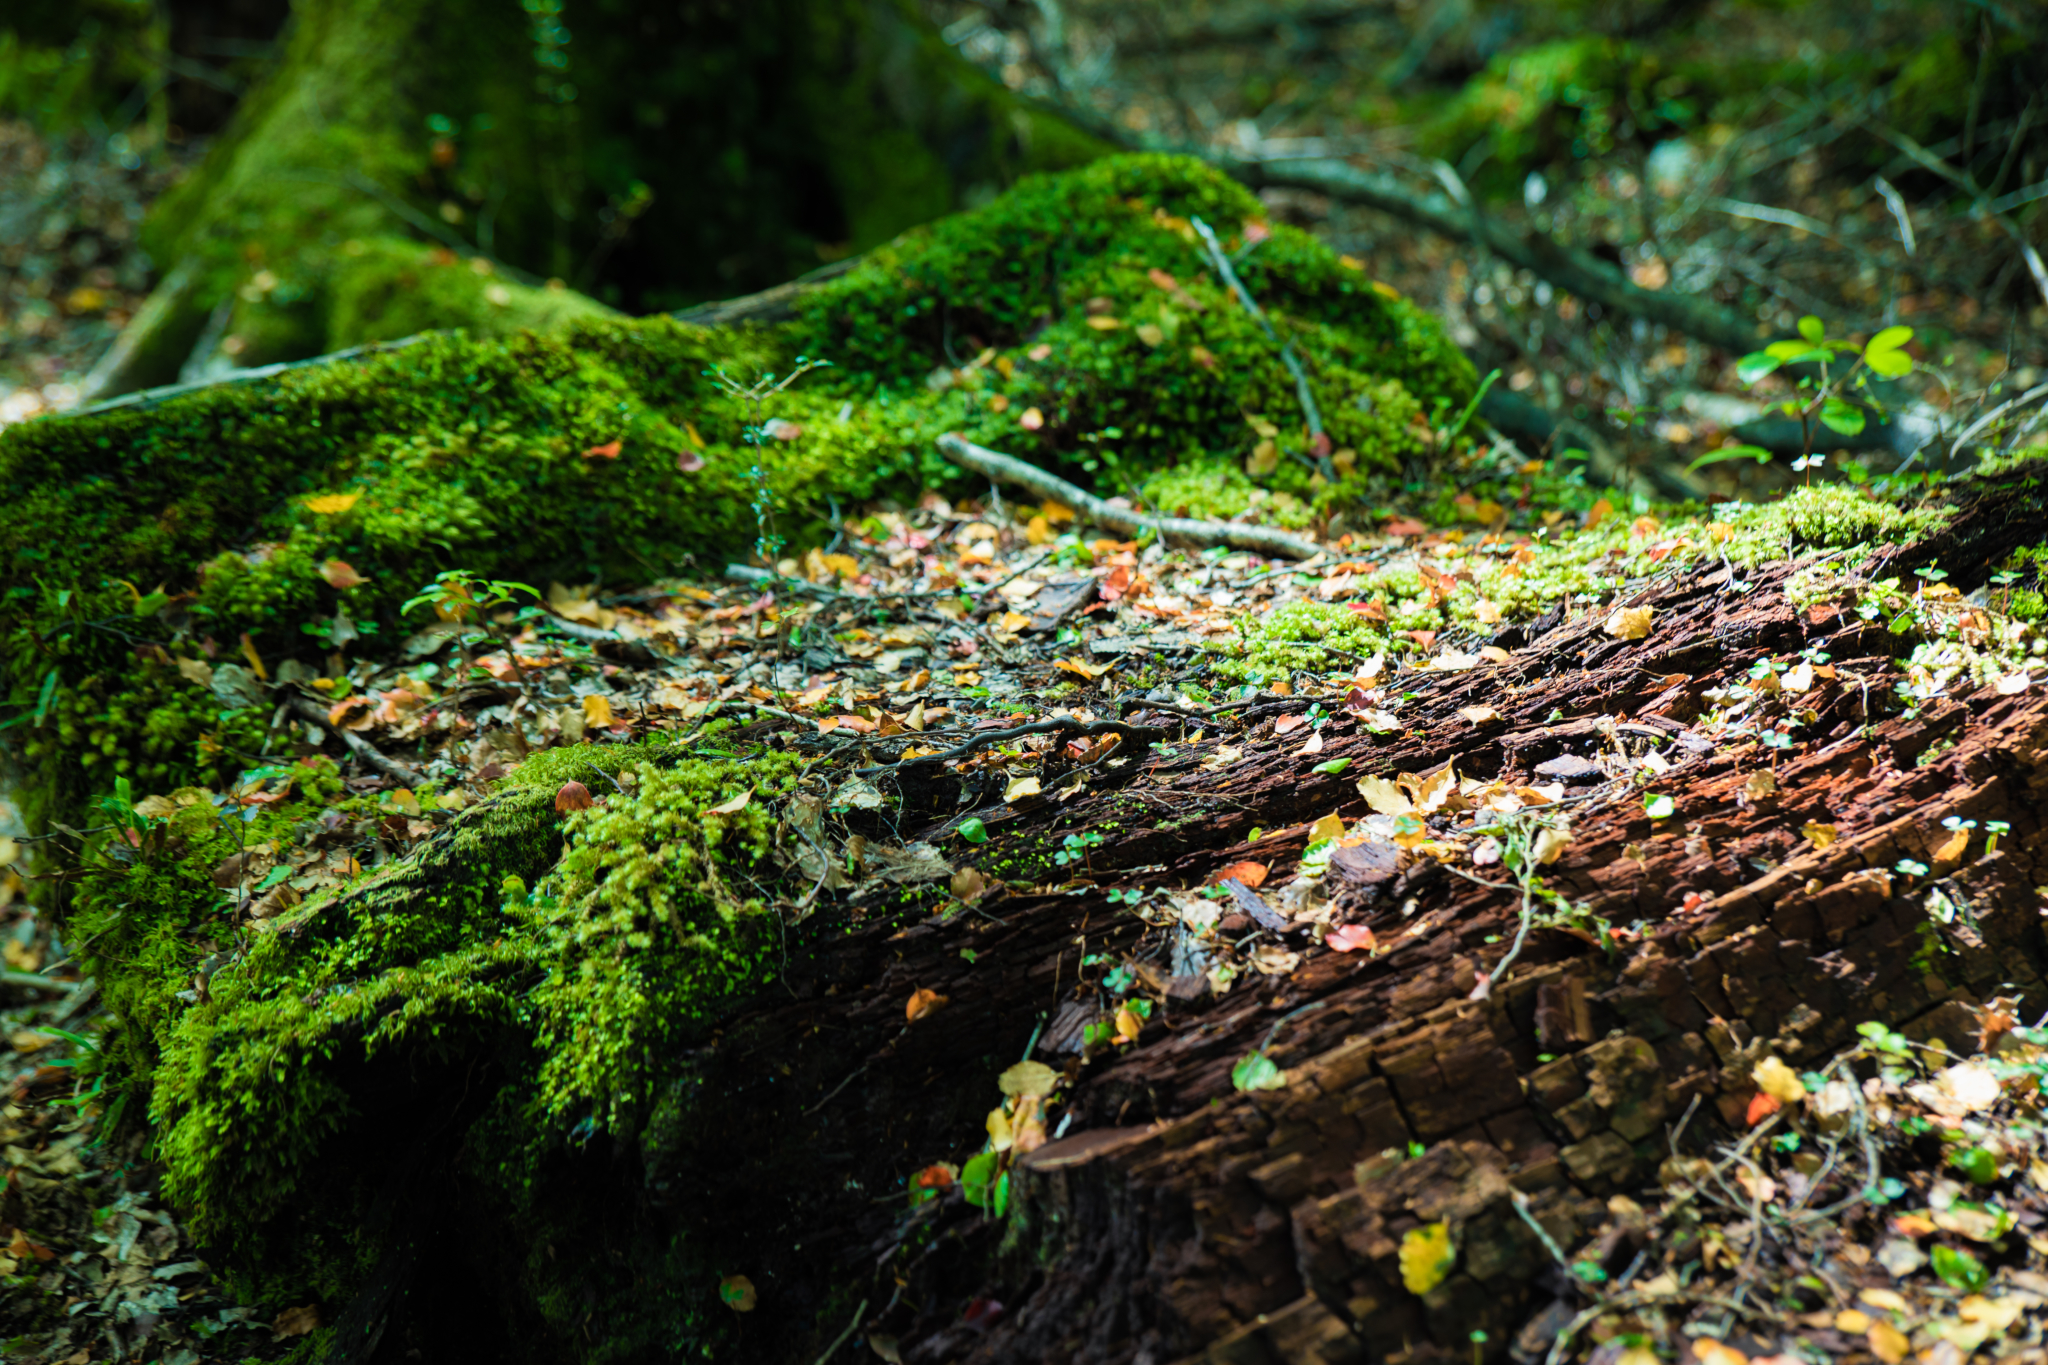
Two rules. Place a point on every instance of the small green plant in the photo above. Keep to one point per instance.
(1075, 848)
(1818, 398)
(758, 431)
(461, 596)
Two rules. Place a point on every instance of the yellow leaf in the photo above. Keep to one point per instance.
(1151, 334)
(255, 659)
(1630, 623)
(1331, 826)
(597, 711)
(1598, 513)
(1708, 1351)
(999, 1132)
(329, 504)
(1426, 1257)
(1014, 621)
(1080, 669)
(1028, 1078)
(1953, 847)
(1037, 531)
(1264, 459)
(1550, 845)
(1128, 1024)
(1485, 612)
(1104, 324)
(1020, 788)
(1494, 654)
(1798, 678)
(1852, 1321)
(1479, 715)
(1890, 1300)
(1761, 783)
(1888, 1343)
(1055, 512)
(1819, 835)
(1778, 1081)
(1383, 796)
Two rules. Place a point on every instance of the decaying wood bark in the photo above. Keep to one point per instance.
(1178, 1219)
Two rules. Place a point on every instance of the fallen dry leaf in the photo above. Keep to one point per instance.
(1253, 875)
(923, 1001)
(1383, 796)
(737, 1293)
(1630, 623)
(341, 575)
(296, 1322)
(1020, 788)
(1953, 847)
(608, 451)
(733, 806)
(1349, 938)
(1331, 826)
(597, 711)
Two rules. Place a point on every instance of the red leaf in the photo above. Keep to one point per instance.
(1404, 526)
(609, 450)
(1761, 1107)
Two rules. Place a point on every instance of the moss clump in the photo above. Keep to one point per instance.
(574, 996)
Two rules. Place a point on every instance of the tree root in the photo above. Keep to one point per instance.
(1183, 530)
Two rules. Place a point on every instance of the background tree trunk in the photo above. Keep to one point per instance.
(645, 159)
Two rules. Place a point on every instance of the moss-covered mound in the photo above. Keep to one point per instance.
(1073, 320)
(524, 981)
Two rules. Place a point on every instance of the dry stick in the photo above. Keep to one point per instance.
(996, 465)
(369, 753)
(1287, 357)
(1148, 733)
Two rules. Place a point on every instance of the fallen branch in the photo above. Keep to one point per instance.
(1008, 468)
(1314, 418)
(1146, 733)
(373, 757)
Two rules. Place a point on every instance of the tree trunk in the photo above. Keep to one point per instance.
(645, 159)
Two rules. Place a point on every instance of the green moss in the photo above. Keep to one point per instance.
(1581, 568)
(634, 934)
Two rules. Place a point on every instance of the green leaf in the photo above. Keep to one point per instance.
(1960, 1269)
(973, 830)
(1890, 339)
(46, 696)
(1757, 453)
(1755, 366)
(1812, 329)
(152, 604)
(1256, 1071)
(1335, 765)
(1795, 352)
(1839, 414)
(1658, 806)
(978, 1179)
(1976, 1163)
(1889, 364)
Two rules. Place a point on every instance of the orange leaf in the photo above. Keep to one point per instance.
(255, 659)
(1253, 875)
(923, 1001)
(608, 451)
(342, 708)
(1404, 526)
(1347, 938)
(1761, 1107)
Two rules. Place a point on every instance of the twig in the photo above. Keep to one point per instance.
(840, 1340)
(1317, 439)
(1147, 733)
(1009, 468)
(373, 757)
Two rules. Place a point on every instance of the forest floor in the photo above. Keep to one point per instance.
(1878, 1202)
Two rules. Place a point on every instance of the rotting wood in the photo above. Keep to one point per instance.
(1179, 1219)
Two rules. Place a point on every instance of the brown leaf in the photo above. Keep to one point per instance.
(688, 462)
(296, 1322)
(572, 796)
(737, 1293)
